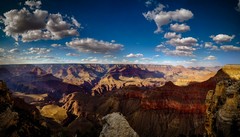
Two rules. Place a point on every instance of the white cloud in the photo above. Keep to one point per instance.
(35, 35)
(148, 3)
(146, 59)
(230, 48)
(238, 6)
(38, 24)
(56, 45)
(19, 22)
(210, 58)
(156, 56)
(90, 60)
(131, 55)
(160, 47)
(193, 60)
(162, 18)
(179, 27)
(94, 46)
(210, 46)
(178, 52)
(60, 28)
(75, 22)
(214, 48)
(222, 38)
(2, 50)
(15, 50)
(45, 57)
(185, 48)
(38, 51)
(170, 35)
(72, 54)
(188, 41)
(108, 56)
(33, 4)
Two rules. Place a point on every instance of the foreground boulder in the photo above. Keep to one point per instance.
(116, 125)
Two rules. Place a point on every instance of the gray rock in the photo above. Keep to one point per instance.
(115, 125)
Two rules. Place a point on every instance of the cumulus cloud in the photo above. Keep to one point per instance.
(19, 22)
(15, 50)
(178, 52)
(59, 28)
(94, 46)
(72, 54)
(185, 48)
(35, 35)
(33, 4)
(131, 55)
(55, 45)
(38, 51)
(222, 38)
(162, 18)
(2, 50)
(170, 35)
(38, 24)
(210, 58)
(188, 41)
(230, 48)
(210, 46)
(179, 27)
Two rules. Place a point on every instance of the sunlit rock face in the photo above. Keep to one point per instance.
(223, 110)
(116, 125)
(233, 71)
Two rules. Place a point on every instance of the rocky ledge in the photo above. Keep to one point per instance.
(223, 110)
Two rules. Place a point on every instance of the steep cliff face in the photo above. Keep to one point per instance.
(19, 119)
(124, 75)
(116, 125)
(223, 110)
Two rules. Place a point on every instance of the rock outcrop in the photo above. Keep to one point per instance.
(8, 117)
(19, 119)
(116, 125)
(223, 110)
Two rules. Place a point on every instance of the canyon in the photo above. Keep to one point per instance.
(156, 100)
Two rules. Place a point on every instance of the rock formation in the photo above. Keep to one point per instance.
(116, 125)
(223, 110)
(19, 119)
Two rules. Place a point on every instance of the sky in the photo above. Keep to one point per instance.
(170, 32)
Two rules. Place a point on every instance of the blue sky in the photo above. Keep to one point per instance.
(176, 32)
